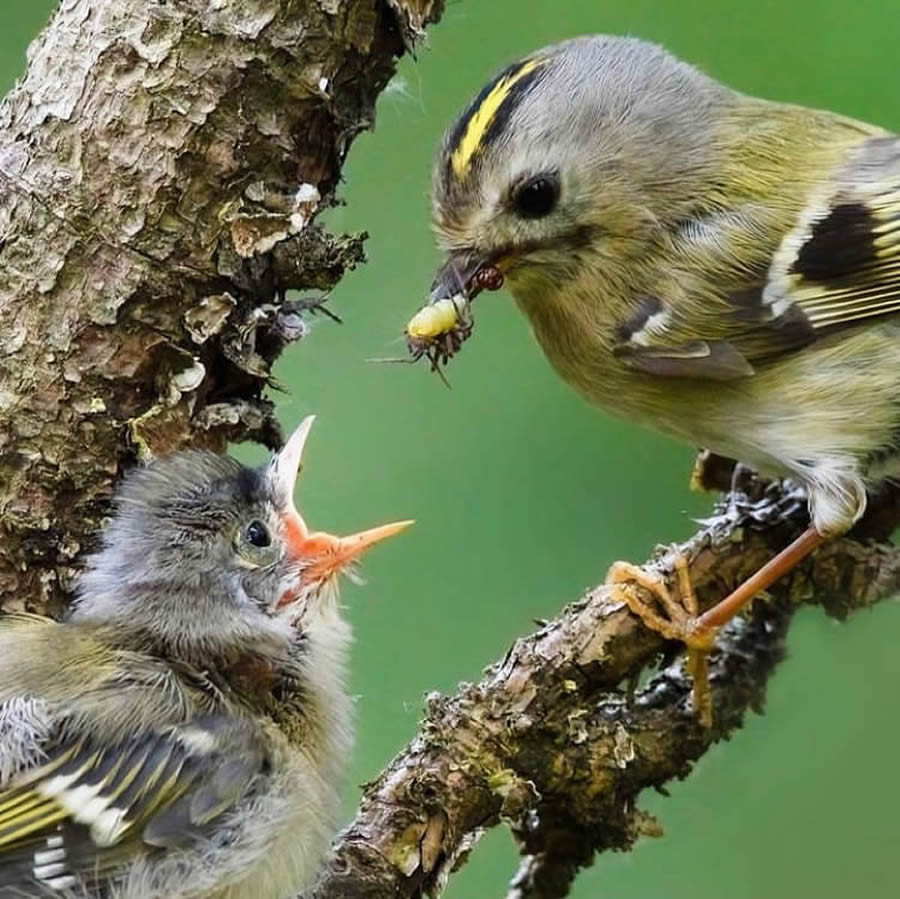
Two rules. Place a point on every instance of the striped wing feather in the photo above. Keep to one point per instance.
(838, 267)
(89, 806)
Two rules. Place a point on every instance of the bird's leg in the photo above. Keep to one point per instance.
(681, 620)
(788, 559)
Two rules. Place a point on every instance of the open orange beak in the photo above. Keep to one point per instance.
(323, 554)
(332, 554)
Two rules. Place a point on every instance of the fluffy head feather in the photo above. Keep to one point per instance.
(176, 568)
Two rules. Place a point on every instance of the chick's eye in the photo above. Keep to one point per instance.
(258, 534)
(537, 197)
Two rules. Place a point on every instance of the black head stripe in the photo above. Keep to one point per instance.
(487, 117)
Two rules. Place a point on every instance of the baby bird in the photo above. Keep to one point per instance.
(185, 733)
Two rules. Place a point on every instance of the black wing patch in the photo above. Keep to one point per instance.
(841, 264)
(840, 243)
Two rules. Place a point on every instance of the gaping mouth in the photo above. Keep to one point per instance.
(319, 555)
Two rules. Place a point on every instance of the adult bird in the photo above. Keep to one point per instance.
(721, 267)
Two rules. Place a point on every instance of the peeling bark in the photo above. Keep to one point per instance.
(555, 743)
(161, 165)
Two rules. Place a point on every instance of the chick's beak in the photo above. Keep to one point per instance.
(331, 554)
(323, 554)
(284, 469)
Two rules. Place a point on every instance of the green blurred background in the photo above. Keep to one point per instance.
(523, 495)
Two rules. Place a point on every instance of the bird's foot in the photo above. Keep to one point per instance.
(679, 620)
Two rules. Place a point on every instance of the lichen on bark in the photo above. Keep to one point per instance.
(556, 740)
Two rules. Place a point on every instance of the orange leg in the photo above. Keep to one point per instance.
(788, 559)
(681, 620)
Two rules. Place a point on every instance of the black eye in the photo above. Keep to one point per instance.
(537, 197)
(258, 534)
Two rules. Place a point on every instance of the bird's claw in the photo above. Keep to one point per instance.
(678, 621)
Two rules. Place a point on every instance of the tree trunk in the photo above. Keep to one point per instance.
(162, 164)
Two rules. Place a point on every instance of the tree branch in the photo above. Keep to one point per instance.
(553, 742)
(161, 165)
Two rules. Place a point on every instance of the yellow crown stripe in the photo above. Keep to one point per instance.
(481, 119)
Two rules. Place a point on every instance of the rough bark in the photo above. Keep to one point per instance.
(554, 740)
(162, 163)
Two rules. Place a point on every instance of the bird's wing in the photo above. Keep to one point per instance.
(91, 806)
(839, 266)
(719, 339)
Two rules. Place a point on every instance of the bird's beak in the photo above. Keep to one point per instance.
(457, 276)
(284, 469)
(330, 554)
(323, 554)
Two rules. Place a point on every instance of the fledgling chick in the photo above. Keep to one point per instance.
(721, 267)
(185, 733)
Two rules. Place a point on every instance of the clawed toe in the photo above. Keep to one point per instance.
(678, 620)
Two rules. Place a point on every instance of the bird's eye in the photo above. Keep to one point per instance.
(258, 534)
(536, 197)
